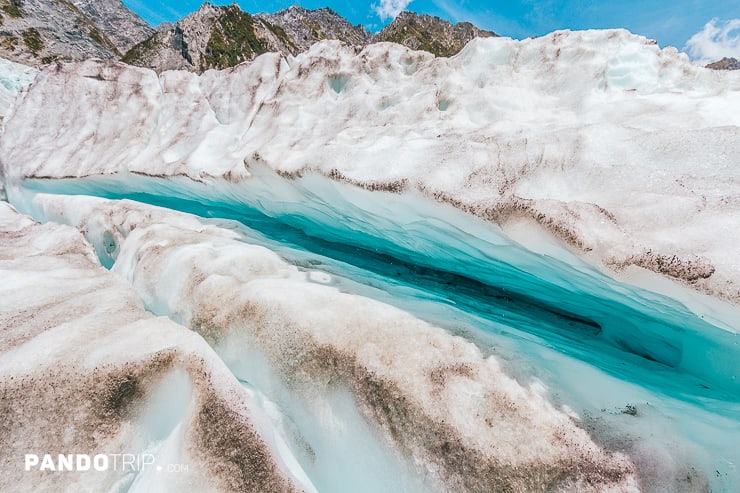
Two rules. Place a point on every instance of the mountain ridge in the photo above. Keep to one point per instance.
(727, 63)
(306, 27)
(39, 32)
(223, 36)
(432, 34)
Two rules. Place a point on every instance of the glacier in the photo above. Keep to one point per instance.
(514, 269)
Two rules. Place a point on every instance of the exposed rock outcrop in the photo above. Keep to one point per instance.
(305, 27)
(725, 64)
(428, 33)
(222, 37)
(39, 32)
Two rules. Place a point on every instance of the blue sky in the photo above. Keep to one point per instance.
(709, 23)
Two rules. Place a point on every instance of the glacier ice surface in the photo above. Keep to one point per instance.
(505, 205)
(609, 143)
(13, 78)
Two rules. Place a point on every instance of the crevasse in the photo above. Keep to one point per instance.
(541, 339)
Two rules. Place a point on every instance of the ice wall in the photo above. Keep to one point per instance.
(621, 150)
(13, 77)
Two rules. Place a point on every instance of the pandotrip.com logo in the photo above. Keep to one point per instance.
(99, 462)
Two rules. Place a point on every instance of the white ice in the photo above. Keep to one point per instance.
(545, 157)
(84, 369)
(13, 78)
(624, 151)
(322, 340)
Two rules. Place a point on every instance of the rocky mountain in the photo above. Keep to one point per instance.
(212, 37)
(123, 27)
(220, 37)
(38, 32)
(429, 33)
(305, 27)
(725, 64)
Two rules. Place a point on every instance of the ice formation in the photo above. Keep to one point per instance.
(615, 146)
(513, 269)
(13, 77)
(483, 429)
(85, 368)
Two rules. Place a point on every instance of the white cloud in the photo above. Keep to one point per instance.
(717, 40)
(389, 9)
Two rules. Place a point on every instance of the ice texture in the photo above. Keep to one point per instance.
(13, 78)
(482, 429)
(85, 369)
(320, 332)
(699, 338)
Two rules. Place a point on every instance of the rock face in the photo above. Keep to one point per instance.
(725, 64)
(305, 27)
(432, 34)
(212, 37)
(38, 32)
(221, 37)
(123, 27)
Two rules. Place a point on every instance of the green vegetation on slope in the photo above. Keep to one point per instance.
(138, 54)
(9, 43)
(431, 34)
(12, 8)
(427, 37)
(280, 34)
(316, 32)
(33, 40)
(233, 40)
